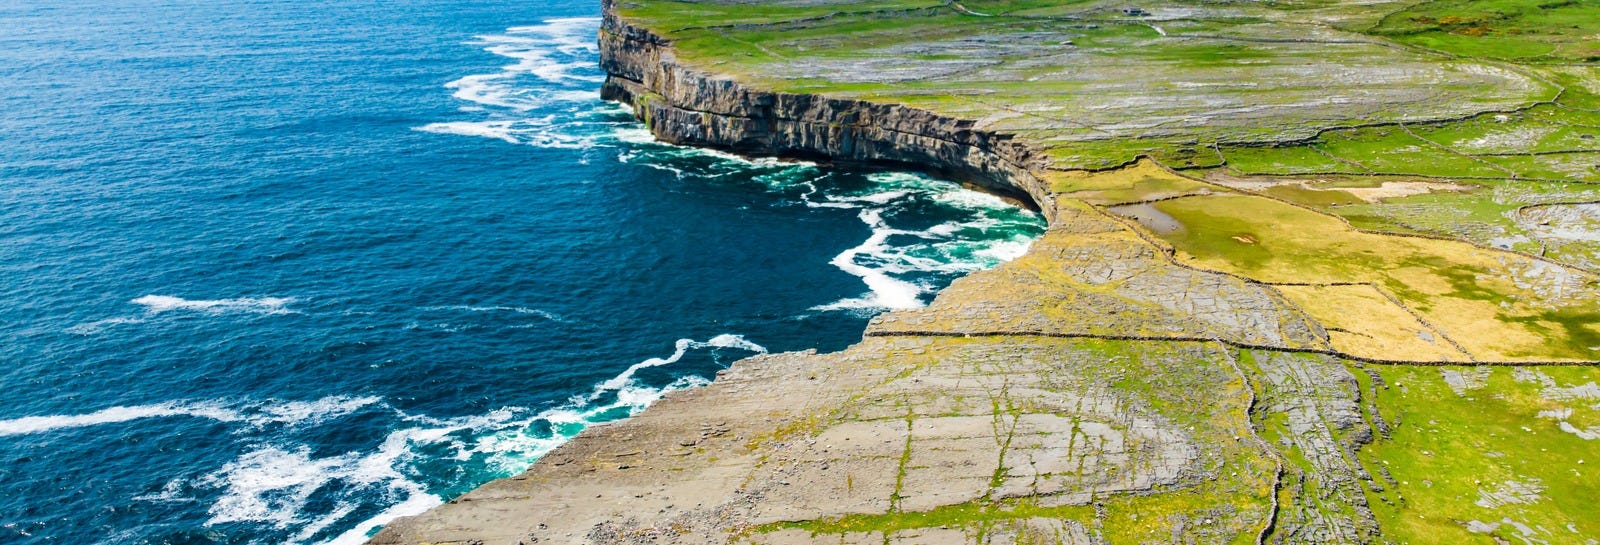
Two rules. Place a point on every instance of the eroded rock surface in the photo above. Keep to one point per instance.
(1001, 437)
(1094, 390)
(1090, 275)
(788, 448)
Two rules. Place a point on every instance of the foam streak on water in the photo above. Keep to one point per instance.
(903, 267)
(254, 414)
(274, 482)
(156, 304)
(555, 71)
(296, 279)
(900, 267)
(113, 415)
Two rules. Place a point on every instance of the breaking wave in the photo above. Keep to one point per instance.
(254, 414)
(277, 483)
(901, 266)
(554, 71)
(906, 258)
(156, 304)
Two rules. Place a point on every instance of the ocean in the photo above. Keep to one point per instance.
(278, 272)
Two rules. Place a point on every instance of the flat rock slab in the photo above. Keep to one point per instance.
(789, 442)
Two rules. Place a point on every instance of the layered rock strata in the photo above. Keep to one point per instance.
(687, 106)
(922, 434)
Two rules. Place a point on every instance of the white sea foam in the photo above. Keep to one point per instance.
(501, 308)
(649, 152)
(254, 414)
(310, 530)
(886, 291)
(971, 200)
(97, 326)
(539, 133)
(511, 448)
(499, 90)
(302, 413)
(547, 97)
(1005, 250)
(415, 504)
(571, 35)
(498, 130)
(559, 52)
(156, 304)
(271, 484)
(896, 264)
(633, 133)
(274, 483)
(889, 181)
(113, 415)
(682, 347)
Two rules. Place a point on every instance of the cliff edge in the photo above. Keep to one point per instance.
(1282, 297)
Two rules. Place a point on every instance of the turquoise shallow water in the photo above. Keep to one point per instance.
(277, 272)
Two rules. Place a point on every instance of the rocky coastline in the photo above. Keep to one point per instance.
(687, 106)
(1104, 387)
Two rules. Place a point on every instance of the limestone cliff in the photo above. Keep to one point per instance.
(1177, 359)
(687, 106)
(1015, 438)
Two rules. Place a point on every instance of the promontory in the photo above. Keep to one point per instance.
(1316, 271)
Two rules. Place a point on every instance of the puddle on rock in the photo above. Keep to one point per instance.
(1149, 216)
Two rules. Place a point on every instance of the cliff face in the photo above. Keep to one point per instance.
(1128, 380)
(686, 106)
(934, 429)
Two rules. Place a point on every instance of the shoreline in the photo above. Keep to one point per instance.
(782, 126)
(685, 106)
(791, 448)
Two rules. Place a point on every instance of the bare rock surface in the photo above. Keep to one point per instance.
(1094, 390)
(890, 426)
(1013, 437)
(1324, 425)
(1091, 275)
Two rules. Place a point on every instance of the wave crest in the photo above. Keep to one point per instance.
(280, 484)
(547, 97)
(255, 414)
(156, 304)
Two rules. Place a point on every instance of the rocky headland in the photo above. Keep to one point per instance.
(1324, 305)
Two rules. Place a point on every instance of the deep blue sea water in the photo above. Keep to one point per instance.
(277, 272)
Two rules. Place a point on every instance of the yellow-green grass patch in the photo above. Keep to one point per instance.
(1498, 305)
(1362, 322)
(1142, 182)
